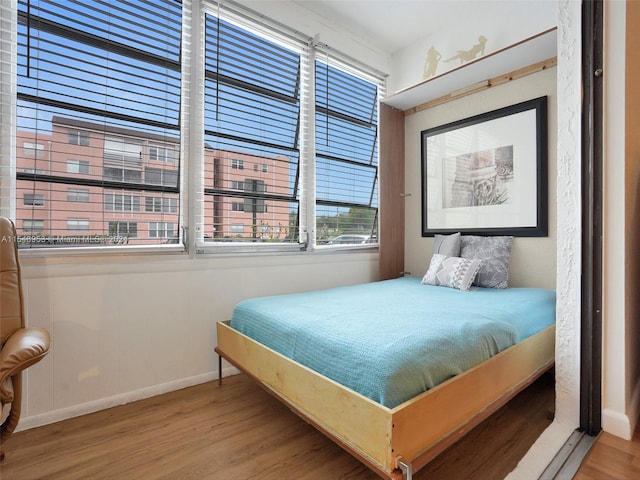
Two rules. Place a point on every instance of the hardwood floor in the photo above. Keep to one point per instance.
(240, 432)
(612, 458)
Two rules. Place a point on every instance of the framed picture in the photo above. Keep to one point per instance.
(487, 174)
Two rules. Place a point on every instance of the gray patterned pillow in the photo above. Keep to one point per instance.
(448, 245)
(454, 272)
(495, 253)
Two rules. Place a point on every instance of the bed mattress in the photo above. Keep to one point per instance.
(394, 339)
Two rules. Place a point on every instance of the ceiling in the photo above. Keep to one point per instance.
(393, 25)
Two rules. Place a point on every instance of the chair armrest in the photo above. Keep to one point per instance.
(21, 350)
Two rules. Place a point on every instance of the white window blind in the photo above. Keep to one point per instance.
(99, 85)
(275, 156)
(346, 145)
(253, 84)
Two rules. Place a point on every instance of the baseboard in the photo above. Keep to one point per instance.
(634, 409)
(620, 424)
(121, 399)
(616, 423)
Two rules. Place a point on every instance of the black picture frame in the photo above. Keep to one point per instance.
(487, 174)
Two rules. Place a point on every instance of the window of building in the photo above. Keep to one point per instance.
(123, 229)
(162, 230)
(122, 151)
(161, 205)
(78, 166)
(237, 164)
(99, 85)
(119, 174)
(31, 149)
(33, 226)
(161, 154)
(78, 224)
(158, 176)
(78, 195)
(33, 199)
(78, 137)
(120, 202)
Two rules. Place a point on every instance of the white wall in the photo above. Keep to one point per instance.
(125, 328)
(296, 15)
(621, 397)
(461, 31)
(526, 269)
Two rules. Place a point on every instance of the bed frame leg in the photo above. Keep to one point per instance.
(219, 370)
(406, 468)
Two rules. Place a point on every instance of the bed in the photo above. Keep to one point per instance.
(390, 374)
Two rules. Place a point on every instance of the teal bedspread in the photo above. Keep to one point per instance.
(394, 339)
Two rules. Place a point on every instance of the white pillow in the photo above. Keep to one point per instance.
(453, 272)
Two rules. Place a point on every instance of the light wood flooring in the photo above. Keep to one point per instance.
(612, 458)
(238, 431)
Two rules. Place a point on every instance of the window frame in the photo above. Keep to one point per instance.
(190, 166)
(75, 172)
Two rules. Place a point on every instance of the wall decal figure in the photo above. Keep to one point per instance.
(466, 55)
(431, 63)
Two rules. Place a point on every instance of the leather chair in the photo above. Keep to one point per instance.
(20, 347)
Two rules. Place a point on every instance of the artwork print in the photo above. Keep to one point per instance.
(487, 174)
(479, 178)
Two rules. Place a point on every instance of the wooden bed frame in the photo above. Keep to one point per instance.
(394, 442)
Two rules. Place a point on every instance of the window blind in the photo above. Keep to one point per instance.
(253, 84)
(98, 122)
(346, 145)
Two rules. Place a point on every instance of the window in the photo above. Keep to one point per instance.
(33, 226)
(33, 199)
(123, 229)
(346, 153)
(78, 195)
(78, 137)
(253, 100)
(77, 224)
(30, 148)
(237, 164)
(119, 202)
(116, 174)
(99, 124)
(78, 166)
(122, 151)
(98, 91)
(161, 205)
(161, 154)
(162, 230)
(157, 176)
